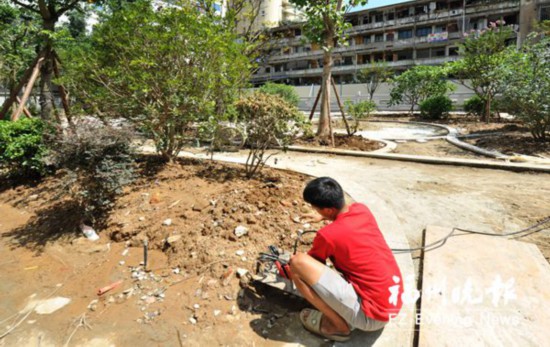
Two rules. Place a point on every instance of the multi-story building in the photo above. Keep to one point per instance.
(403, 34)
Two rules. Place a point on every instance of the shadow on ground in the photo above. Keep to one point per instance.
(48, 225)
(280, 320)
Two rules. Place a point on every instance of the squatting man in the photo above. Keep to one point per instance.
(363, 293)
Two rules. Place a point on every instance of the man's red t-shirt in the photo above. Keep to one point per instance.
(356, 247)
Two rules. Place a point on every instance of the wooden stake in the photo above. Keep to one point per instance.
(315, 103)
(25, 110)
(15, 91)
(15, 115)
(340, 105)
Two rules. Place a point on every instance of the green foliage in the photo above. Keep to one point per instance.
(268, 120)
(18, 42)
(22, 148)
(162, 69)
(436, 107)
(418, 83)
(527, 80)
(483, 57)
(373, 76)
(99, 162)
(323, 16)
(287, 93)
(474, 106)
(359, 111)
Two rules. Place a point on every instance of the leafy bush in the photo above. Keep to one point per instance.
(99, 161)
(474, 106)
(268, 120)
(287, 93)
(22, 148)
(436, 107)
(359, 111)
(176, 69)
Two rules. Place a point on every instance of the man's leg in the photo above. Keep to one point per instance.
(306, 271)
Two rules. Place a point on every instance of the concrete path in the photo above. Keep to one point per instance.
(484, 291)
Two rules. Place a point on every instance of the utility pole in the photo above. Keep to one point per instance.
(463, 17)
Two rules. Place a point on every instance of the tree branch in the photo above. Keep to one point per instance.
(26, 6)
(70, 6)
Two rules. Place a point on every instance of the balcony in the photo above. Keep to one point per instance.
(349, 68)
(364, 48)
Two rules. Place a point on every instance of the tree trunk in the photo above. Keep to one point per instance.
(323, 131)
(46, 73)
(487, 113)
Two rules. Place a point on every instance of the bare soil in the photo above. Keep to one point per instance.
(342, 141)
(512, 138)
(190, 286)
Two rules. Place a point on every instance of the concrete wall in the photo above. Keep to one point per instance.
(358, 92)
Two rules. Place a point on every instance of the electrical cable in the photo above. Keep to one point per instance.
(441, 242)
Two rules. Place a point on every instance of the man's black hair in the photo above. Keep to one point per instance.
(324, 192)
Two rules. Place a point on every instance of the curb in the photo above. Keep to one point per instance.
(427, 160)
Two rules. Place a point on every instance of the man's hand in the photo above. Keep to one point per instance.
(312, 217)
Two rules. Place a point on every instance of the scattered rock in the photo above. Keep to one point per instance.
(226, 277)
(125, 252)
(251, 220)
(196, 306)
(217, 313)
(122, 262)
(167, 222)
(171, 240)
(239, 253)
(241, 272)
(240, 231)
(201, 205)
(176, 270)
(150, 300)
(192, 320)
(141, 219)
(33, 197)
(51, 305)
(92, 306)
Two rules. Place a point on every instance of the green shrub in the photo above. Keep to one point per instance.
(287, 93)
(358, 111)
(268, 120)
(436, 107)
(99, 161)
(22, 148)
(474, 106)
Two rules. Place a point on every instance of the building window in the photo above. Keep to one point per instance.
(378, 37)
(366, 20)
(389, 37)
(297, 32)
(268, 70)
(390, 16)
(366, 39)
(453, 51)
(404, 34)
(421, 32)
(545, 13)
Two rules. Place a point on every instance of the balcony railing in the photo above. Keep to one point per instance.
(351, 68)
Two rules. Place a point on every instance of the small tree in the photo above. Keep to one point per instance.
(373, 76)
(483, 56)
(287, 93)
(268, 120)
(527, 79)
(162, 69)
(418, 83)
(358, 111)
(326, 26)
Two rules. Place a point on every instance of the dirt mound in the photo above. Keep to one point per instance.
(196, 212)
(341, 141)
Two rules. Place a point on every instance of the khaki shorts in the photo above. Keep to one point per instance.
(340, 295)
